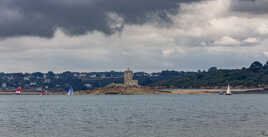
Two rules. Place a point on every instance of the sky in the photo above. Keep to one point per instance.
(150, 36)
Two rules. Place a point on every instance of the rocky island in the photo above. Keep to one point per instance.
(129, 87)
(114, 90)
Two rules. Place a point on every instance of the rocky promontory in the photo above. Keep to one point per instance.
(123, 90)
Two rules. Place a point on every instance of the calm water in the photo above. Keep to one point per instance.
(134, 116)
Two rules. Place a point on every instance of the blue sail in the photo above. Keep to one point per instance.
(70, 92)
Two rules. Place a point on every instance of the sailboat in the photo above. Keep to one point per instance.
(228, 92)
(70, 92)
(18, 91)
(42, 92)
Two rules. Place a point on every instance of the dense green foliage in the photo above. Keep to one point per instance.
(254, 76)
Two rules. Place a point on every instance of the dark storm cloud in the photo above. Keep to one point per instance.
(250, 6)
(42, 17)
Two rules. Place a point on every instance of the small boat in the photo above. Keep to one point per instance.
(70, 92)
(42, 92)
(18, 91)
(228, 92)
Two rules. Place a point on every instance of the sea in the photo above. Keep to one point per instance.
(134, 116)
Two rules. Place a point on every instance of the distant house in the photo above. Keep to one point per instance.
(102, 76)
(47, 80)
(26, 78)
(57, 76)
(88, 85)
(83, 75)
(33, 83)
(4, 85)
(76, 75)
(93, 76)
(155, 74)
(10, 77)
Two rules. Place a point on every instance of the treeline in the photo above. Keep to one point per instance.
(256, 75)
(78, 80)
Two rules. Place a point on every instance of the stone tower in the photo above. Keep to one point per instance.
(128, 78)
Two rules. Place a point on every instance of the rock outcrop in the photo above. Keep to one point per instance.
(124, 90)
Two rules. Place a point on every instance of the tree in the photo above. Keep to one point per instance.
(37, 74)
(266, 65)
(256, 66)
(50, 74)
(212, 69)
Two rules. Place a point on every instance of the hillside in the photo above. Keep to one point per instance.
(254, 76)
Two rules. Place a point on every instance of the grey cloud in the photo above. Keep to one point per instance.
(42, 17)
(187, 44)
(250, 6)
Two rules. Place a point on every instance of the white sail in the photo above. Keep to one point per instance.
(70, 92)
(228, 92)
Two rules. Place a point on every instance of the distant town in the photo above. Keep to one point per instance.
(77, 80)
(256, 75)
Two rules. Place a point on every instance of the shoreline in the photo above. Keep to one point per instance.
(143, 91)
(217, 91)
